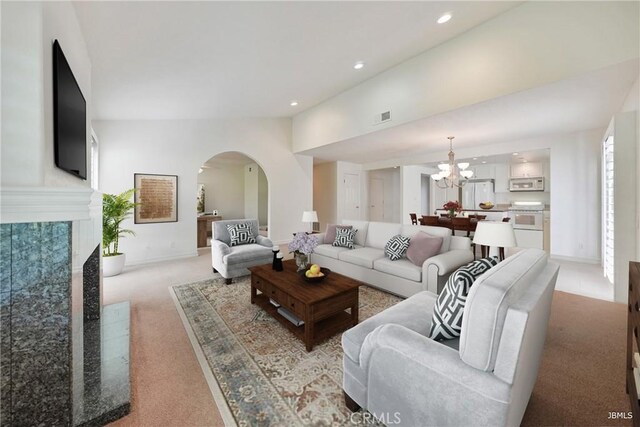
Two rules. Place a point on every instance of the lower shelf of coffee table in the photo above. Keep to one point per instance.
(322, 329)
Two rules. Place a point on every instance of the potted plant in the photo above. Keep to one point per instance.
(115, 209)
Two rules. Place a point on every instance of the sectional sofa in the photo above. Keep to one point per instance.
(368, 263)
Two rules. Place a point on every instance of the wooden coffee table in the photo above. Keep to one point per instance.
(322, 306)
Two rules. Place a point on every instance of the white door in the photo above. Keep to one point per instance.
(351, 196)
(376, 196)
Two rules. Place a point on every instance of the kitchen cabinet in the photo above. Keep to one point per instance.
(529, 238)
(501, 177)
(483, 172)
(526, 170)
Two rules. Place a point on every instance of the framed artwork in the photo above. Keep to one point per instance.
(157, 196)
(200, 198)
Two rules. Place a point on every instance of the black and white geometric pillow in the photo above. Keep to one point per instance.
(241, 234)
(446, 322)
(396, 247)
(344, 237)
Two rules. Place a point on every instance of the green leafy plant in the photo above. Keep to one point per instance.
(115, 209)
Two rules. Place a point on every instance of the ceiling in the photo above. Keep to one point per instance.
(193, 60)
(509, 158)
(585, 102)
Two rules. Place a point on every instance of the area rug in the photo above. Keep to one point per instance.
(260, 374)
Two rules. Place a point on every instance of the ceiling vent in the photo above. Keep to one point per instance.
(382, 117)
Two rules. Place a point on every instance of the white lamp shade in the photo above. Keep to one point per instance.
(463, 165)
(444, 167)
(495, 233)
(436, 177)
(309, 216)
(466, 174)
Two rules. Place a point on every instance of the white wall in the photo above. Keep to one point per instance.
(632, 103)
(179, 147)
(528, 46)
(224, 190)
(576, 196)
(625, 191)
(28, 31)
(411, 190)
(325, 193)
(392, 192)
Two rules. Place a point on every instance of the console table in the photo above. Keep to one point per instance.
(203, 222)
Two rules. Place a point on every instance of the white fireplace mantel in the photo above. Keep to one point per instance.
(44, 204)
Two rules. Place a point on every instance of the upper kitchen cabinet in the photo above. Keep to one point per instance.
(526, 170)
(502, 177)
(483, 172)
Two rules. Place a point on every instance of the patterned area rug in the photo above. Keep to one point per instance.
(263, 372)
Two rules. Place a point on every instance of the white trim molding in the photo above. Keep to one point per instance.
(44, 204)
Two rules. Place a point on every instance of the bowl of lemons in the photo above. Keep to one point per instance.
(486, 205)
(315, 273)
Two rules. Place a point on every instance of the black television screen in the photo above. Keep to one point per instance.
(69, 118)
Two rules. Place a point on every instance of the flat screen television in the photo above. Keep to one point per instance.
(69, 118)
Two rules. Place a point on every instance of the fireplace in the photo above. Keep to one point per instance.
(53, 366)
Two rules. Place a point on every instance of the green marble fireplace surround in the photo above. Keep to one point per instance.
(64, 356)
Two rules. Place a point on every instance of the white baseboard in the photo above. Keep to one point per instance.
(576, 259)
(162, 259)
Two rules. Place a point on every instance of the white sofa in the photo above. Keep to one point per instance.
(484, 378)
(368, 263)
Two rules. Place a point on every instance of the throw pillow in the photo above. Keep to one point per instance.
(396, 247)
(422, 247)
(241, 234)
(446, 322)
(344, 237)
(330, 234)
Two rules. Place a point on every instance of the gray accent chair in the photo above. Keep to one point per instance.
(486, 377)
(233, 261)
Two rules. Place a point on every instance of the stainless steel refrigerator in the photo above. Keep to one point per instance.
(476, 192)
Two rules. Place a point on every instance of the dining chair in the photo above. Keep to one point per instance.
(414, 218)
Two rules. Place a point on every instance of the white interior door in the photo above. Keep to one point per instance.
(376, 197)
(351, 196)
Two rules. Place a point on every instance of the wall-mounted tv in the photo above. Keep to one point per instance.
(69, 118)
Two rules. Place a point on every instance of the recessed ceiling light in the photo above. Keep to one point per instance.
(484, 161)
(294, 103)
(358, 65)
(515, 154)
(444, 18)
(475, 158)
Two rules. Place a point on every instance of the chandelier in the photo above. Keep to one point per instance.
(452, 175)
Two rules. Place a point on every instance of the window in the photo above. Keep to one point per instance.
(94, 161)
(608, 207)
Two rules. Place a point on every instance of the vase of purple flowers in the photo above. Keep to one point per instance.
(302, 246)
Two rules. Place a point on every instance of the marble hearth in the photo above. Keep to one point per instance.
(64, 357)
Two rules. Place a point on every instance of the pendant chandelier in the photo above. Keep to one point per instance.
(452, 175)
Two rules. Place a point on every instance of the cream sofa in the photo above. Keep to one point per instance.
(368, 263)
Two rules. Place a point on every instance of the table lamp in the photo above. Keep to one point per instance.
(310, 216)
(495, 233)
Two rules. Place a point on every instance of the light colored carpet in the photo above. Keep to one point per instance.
(262, 370)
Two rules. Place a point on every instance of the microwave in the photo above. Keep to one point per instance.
(526, 184)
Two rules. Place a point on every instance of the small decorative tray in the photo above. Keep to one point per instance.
(325, 271)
